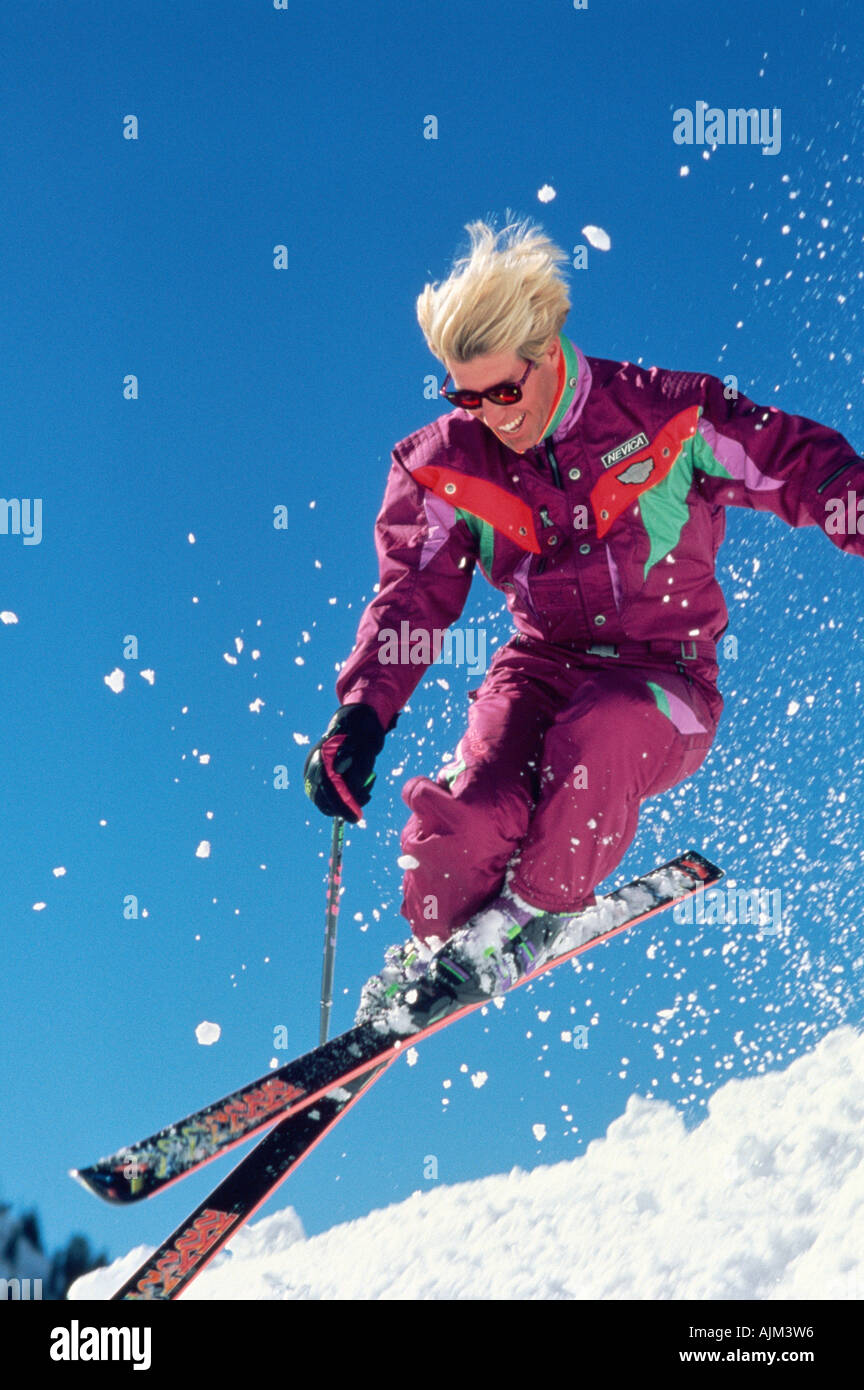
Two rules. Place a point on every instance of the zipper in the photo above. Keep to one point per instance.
(850, 464)
(553, 462)
(544, 512)
(546, 520)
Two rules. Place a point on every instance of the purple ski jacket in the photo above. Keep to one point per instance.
(606, 531)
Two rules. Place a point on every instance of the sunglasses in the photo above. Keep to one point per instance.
(505, 393)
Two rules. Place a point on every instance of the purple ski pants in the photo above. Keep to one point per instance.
(561, 748)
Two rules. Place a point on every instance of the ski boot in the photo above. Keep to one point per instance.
(500, 946)
(404, 967)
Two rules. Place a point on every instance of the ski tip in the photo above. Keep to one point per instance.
(80, 1177)
(100, 1184)
(707, 871)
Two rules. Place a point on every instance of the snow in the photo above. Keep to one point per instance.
(762, 1200)
(597, 238)
(7, 617)
(208, 1033)
(116, 680)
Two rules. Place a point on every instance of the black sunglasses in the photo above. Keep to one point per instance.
(505, 393)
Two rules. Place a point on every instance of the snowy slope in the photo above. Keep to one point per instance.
(763, 1200)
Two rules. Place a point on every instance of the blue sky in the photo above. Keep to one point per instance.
(261, 387)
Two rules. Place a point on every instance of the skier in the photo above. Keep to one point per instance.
(591, 493)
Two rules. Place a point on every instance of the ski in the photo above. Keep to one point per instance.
(146, 1167)
(188, 1250)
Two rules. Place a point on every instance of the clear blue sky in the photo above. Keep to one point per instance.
(259, 387)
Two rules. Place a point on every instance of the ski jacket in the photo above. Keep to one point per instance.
(605, 532)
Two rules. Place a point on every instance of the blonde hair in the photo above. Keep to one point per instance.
(506, 294)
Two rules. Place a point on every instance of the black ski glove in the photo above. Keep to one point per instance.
(338, 773)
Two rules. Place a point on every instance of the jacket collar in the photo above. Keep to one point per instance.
(574, 390)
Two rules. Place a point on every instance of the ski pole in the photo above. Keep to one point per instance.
(333, 881)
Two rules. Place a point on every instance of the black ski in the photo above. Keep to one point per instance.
(163, 1158)
(181, 1258)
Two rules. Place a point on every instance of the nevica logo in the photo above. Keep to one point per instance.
(640, 471)
(623, 451)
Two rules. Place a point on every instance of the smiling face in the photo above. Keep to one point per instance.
(519, 426)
